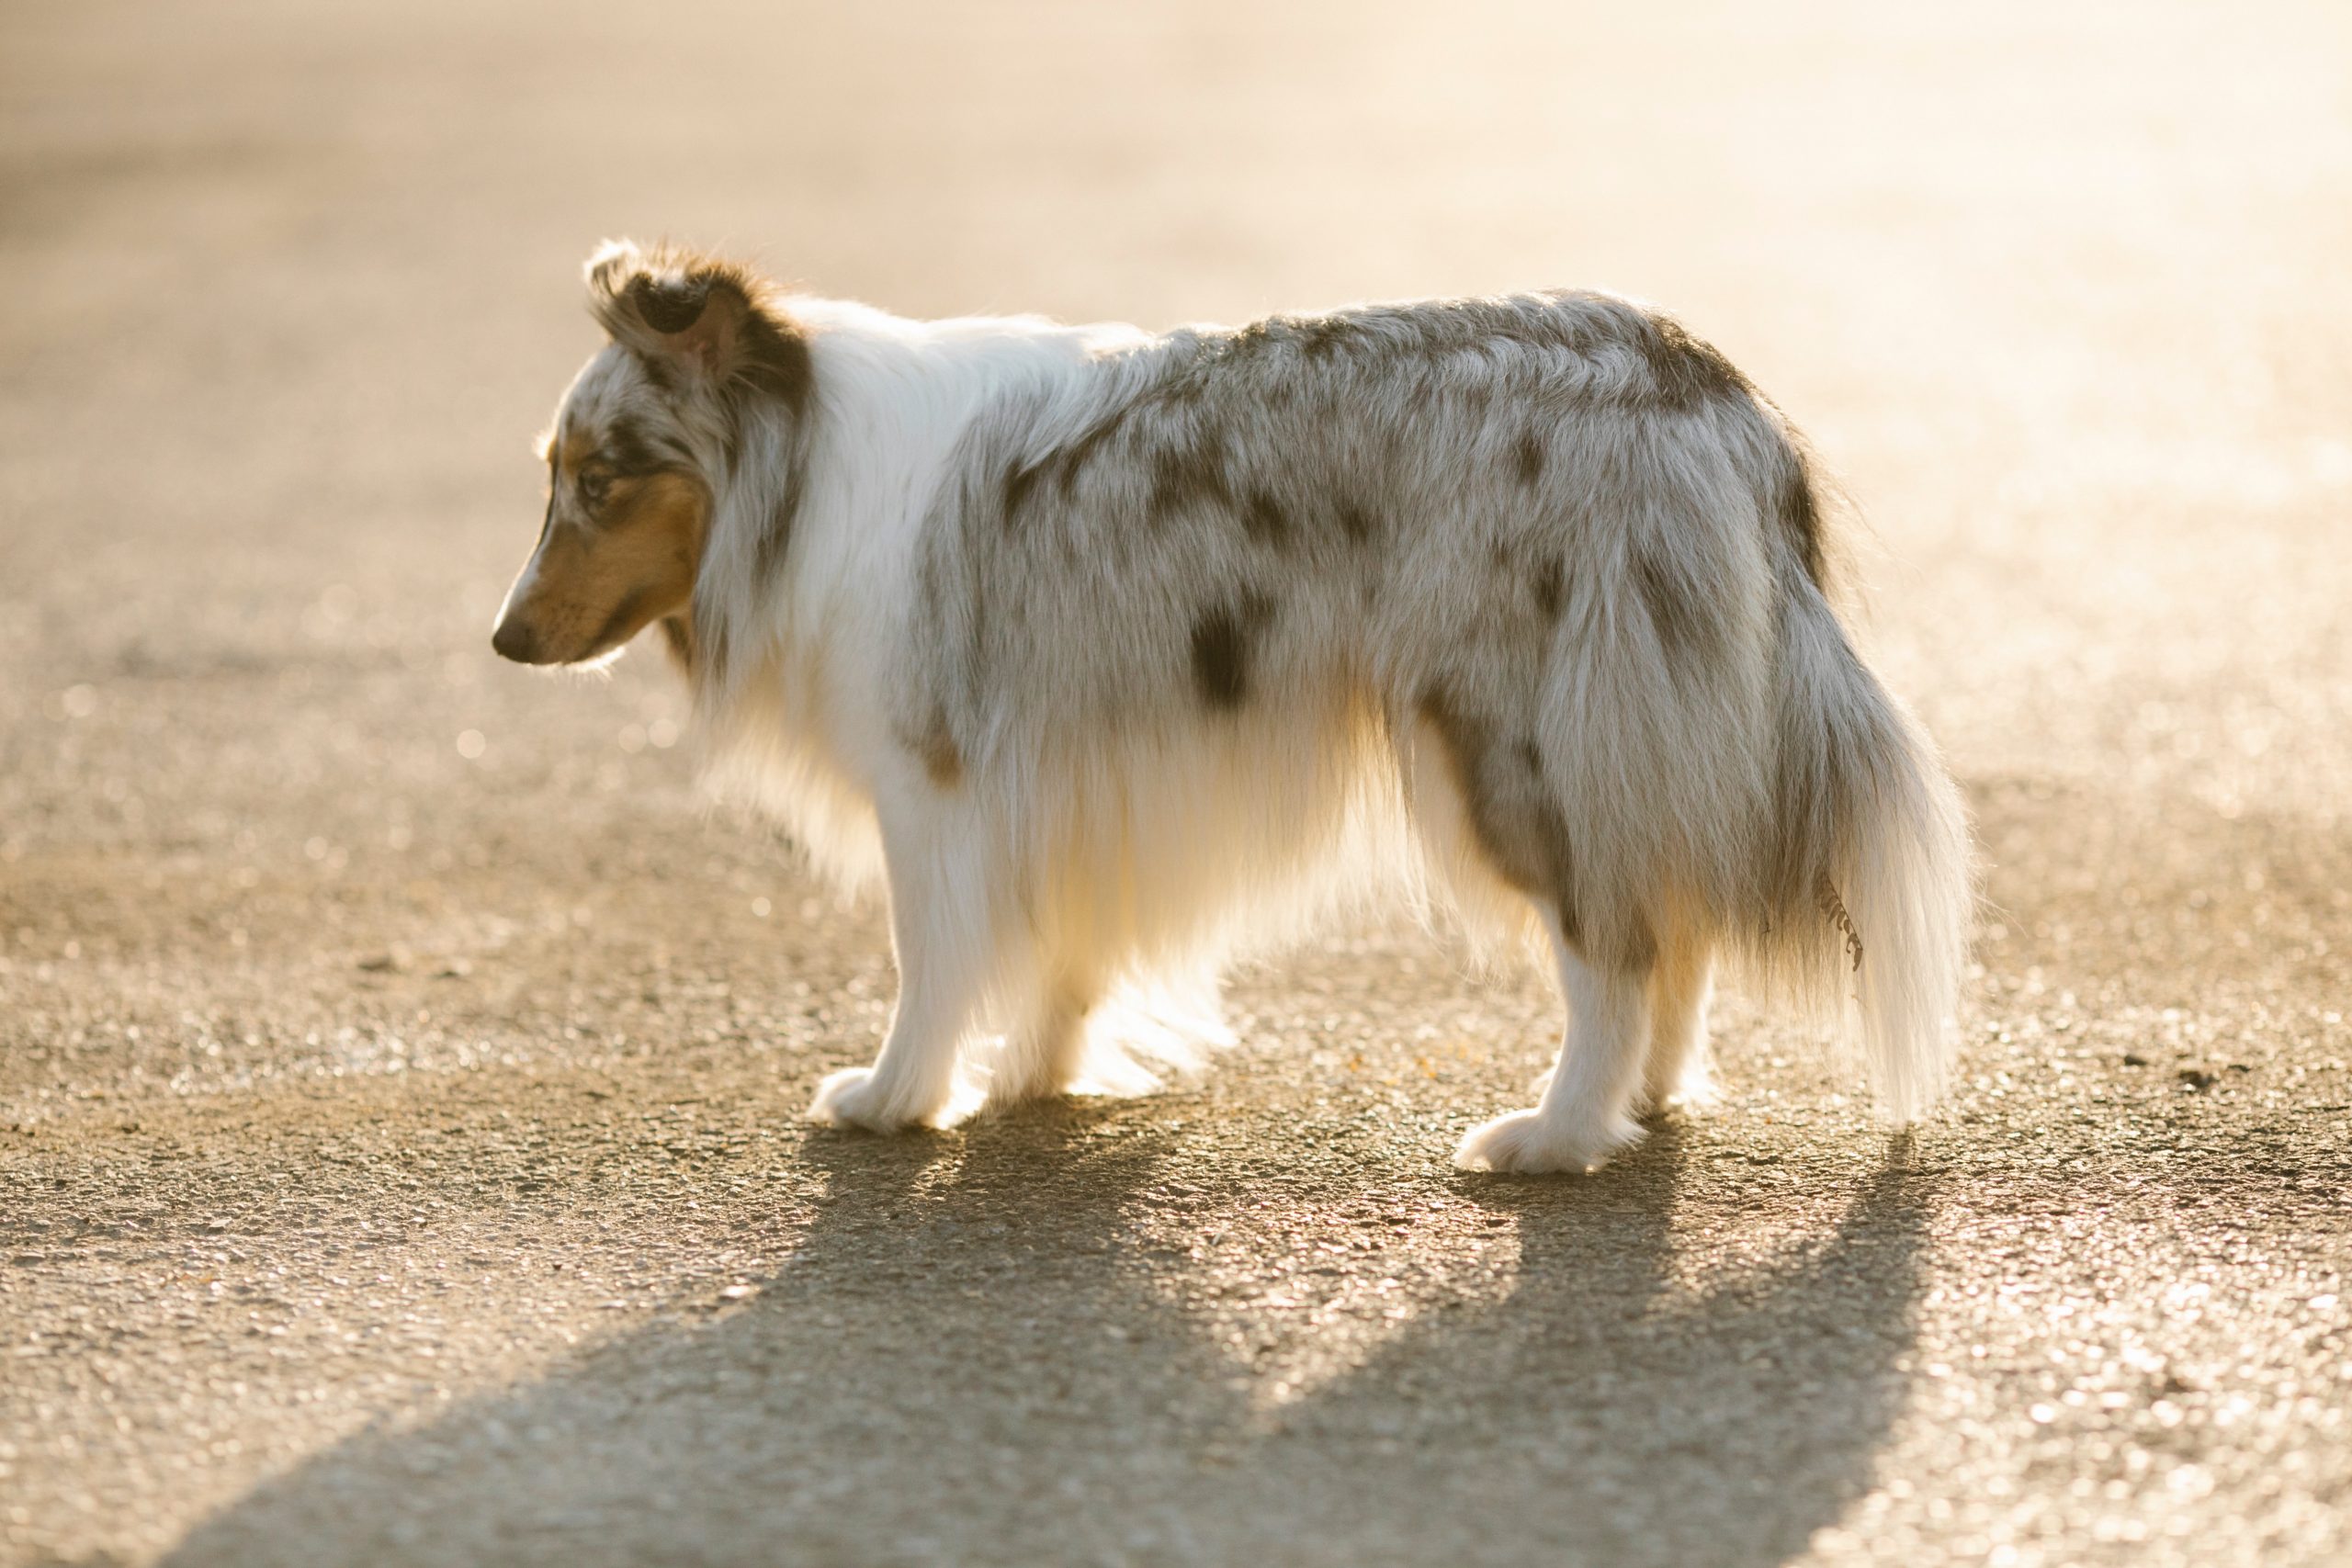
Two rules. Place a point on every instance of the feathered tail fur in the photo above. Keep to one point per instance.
(1870, 887)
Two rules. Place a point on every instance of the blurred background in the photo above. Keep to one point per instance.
(296, 877)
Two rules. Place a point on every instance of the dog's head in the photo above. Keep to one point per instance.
(641, 447)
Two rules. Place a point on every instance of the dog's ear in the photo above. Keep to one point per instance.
(697, 317)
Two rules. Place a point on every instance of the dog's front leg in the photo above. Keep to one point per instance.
(940, 926)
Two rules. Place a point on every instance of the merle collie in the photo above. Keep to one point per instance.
(1114, 651)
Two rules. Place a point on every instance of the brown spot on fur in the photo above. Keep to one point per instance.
(1527, 457)
(942, 760)
(1188, 475)
(1683, 626)
(1265, 519)
(1353, 520)
(1550, 587)
(1542, 574)
(1222, 642)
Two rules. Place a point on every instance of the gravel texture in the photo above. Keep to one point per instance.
(400, 1064)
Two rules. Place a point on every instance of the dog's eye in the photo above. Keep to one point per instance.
(595, 485)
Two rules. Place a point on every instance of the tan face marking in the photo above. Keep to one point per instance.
(615, 557)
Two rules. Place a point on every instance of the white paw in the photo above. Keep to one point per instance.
(1696, 1092)
(1524, 1143)
(854, 1098)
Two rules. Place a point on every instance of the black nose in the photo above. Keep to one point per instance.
(514, 641)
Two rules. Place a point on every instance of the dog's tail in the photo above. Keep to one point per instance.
(1868, 875)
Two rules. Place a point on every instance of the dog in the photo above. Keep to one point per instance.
(1115, 652)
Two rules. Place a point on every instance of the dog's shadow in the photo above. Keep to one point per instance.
(973, 1357)
(1618, 1408)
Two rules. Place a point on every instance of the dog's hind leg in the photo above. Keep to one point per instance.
(1676, 1072)
(948, 959)
(1585, 1114)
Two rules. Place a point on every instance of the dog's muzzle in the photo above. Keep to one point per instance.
(517, 642)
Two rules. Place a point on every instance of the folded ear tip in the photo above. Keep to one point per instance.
(670, 305)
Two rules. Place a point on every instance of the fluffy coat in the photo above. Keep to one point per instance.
(1115, 652)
